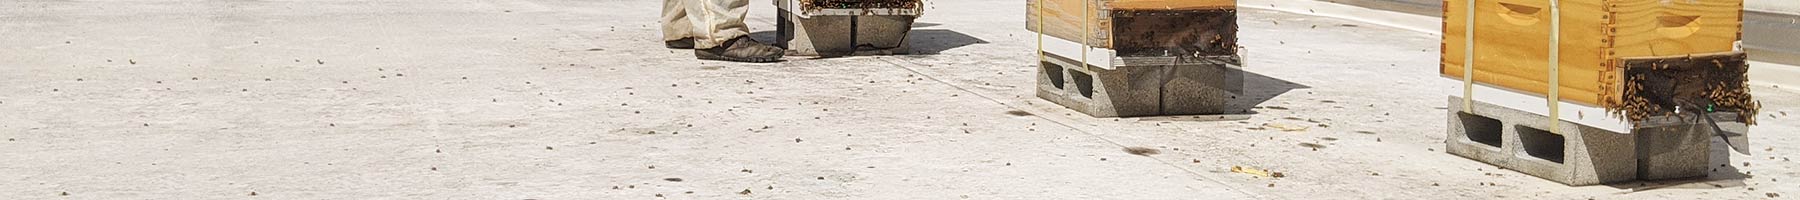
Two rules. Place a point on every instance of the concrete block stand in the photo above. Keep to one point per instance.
(843, 32)
(1660, 148)
(1147, 88)
(1518, 140)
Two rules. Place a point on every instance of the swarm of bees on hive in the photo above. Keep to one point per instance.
(1654, 93)
(859, 4)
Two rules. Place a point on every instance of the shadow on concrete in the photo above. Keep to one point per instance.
(924, 24)
(933, 41)
(923, 41)
(1722, 174)
(1257, 90)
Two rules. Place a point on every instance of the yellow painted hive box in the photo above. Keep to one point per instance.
(1599, 41)
(1131, 27)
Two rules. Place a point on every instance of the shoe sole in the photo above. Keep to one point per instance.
(683, 43)
(723, 58)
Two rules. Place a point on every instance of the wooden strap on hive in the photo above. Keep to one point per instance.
(1555, 56)
(1085, 30)
(1469, 60)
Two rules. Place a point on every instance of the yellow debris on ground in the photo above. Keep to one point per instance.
(1286, 127)
(1256, 172)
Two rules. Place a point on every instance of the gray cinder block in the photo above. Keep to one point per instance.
(1142, 88)
(1671, 147)
(1518, 140)
(843, 35)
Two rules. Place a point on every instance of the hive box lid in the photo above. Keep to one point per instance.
(1171, 4)
(801, 10)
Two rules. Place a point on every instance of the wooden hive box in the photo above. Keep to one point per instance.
(1600, 40)
(1130, 28)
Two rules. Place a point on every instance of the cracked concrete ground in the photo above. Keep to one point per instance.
(564, 99)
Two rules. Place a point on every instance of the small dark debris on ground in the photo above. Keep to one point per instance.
(1142, 151)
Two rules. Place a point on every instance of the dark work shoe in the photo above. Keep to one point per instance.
(741, 49)
(683, 43)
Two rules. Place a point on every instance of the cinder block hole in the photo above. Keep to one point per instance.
(1084, 83)
(1054, 73)
(1541, 144)
(1480, 129)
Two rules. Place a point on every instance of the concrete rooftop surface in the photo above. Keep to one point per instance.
(577, 99)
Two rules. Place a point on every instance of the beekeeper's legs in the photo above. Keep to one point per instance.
(717, 30)
(715, 21)
(677, 29)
